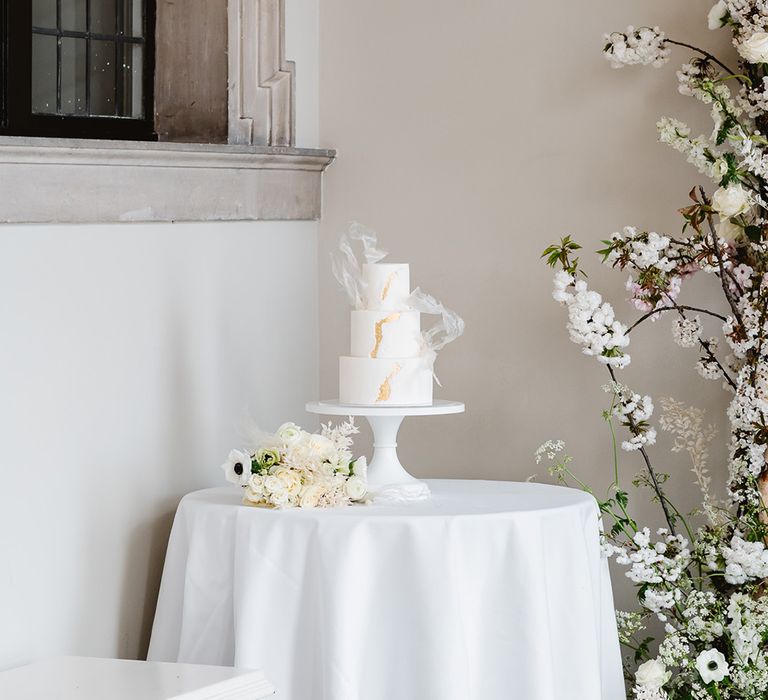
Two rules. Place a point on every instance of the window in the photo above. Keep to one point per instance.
(78, 68)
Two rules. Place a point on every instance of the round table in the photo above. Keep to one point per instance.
(487, 591)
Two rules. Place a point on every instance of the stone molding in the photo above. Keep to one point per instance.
(88, 181)
(261, 81)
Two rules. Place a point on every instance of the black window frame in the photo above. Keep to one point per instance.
(16, 116)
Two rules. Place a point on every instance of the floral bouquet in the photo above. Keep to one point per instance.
(704, 576)
(295, 468)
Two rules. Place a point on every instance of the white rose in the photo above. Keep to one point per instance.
(288, 433)
(730, 201)
(712, 666)
(755, 49)
(311, 494)
(237, 468)
(355, 488)
(255, 491)
(360, 468)
(717, 15)
(652, 674)
(275, 489)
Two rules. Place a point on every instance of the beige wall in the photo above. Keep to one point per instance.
(470, 135)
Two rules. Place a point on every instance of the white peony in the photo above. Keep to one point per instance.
(355, 488)
(237, 468)
(652, 674)
(289, 433)
(311, 494)
(322, 448)
(755, 49)
(712, 666)
(276, 490)
(717, 15)
(290, 480)
(730, 201)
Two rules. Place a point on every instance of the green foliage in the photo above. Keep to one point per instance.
(754, 233)
(643, 649)
(725, 128)
(560, 254)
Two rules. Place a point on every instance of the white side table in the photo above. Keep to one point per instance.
(81, 678)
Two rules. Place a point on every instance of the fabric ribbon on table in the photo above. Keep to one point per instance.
(347, 268)
(446, 330)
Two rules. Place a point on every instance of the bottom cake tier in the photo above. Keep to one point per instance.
(365, 381)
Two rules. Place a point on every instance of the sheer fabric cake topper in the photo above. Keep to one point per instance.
(348, 271)
(446, 330)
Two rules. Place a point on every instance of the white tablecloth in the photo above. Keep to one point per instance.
(488, 591)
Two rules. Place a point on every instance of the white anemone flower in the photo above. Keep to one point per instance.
(712, 666)
(237, 468)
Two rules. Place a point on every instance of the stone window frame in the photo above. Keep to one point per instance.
(258, 174)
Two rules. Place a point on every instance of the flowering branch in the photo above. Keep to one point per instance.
(711, 597)
(676, 307)
(651, 473)
(709, 57)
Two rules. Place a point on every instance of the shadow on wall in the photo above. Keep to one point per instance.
(146, 545)
(144, 558)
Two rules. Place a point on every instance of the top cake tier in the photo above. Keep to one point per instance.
(387, 286)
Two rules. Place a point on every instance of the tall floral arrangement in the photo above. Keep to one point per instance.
(708, 586)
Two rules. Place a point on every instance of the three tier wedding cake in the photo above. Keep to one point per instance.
(391, 360)
(387, 365)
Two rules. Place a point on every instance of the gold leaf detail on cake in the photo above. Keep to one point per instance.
(387, 285)
(379, 333)
(385, 390)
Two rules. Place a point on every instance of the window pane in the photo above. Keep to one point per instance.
(133, 70)
(44, 73)
(102, 77)
(103, 17)
(73, 76)
(73, 15)
(44, 13)
(133, 21)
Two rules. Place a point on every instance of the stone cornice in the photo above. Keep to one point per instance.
(82, 181)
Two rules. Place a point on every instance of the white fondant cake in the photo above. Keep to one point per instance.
(395, 381)
(386, 333)
(386, 367)
(387, 286)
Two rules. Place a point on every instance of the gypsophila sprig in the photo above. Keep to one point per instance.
(704, 576)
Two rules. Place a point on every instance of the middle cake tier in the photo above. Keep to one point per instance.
(385, 334)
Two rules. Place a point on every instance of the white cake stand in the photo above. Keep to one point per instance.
(387, 478)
